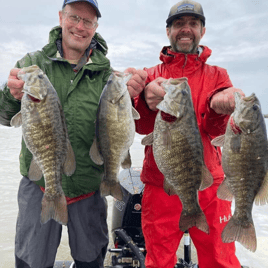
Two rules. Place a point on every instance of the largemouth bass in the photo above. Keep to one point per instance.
(178, 152)
(45, 134)
(245, 164)
(115, 131)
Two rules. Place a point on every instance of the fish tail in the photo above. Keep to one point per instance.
(54, 209)
(127, 161)
(114, 189)
(199, 220)
(236, 232)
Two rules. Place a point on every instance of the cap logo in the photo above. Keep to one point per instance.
(186, 7)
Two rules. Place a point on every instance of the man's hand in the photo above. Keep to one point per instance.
(223, 102)
(154, 93)
(136, 83)
(14, 84)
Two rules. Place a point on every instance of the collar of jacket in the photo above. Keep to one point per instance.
(92, 45)
(168, 56)
(84, 60)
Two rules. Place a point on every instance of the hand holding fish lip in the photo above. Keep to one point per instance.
(223, 102)
(15, 84)
(154, 93)
(178, 152)
(115, 131)
(137, 82)
(244, 162)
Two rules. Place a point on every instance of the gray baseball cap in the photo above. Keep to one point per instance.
(93, 3)
(186, 7)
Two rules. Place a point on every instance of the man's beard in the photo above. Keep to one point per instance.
(188, 49)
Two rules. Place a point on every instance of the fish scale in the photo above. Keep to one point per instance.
(178, 152)
(115, 131)
(178, 163)
(42, 134)
(245, 164)
(45, 134)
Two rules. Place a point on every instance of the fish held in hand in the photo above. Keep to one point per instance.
(45, 134)
(245, 164)
(178, 152)
(115, 131)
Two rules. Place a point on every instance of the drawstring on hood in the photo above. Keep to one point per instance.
(84, 59)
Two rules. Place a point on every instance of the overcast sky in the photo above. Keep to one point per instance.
(237, 33)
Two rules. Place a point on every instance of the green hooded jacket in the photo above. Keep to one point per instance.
(79, 94)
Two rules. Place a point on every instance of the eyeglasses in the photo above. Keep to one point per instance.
(74, 19)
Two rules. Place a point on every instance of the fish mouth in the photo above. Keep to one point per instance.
(33, 86)
(244, 126)
(33, 97)
(250, 98)
(178, 81)
(235, 128)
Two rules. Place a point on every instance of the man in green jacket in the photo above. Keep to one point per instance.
(74, 61)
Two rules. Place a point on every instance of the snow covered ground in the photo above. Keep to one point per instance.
(10, 140)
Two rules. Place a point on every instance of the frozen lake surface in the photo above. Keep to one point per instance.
(10, 140)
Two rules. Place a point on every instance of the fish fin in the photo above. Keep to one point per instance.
(135, 114)
(16, 120)
(168, 188)
(235, 232)
(127, 161)
(113, 189)
(35, 173)
(207, 179)
(95, 154)
(235, 143)
(262, 196)
(55, 209)
(224, 192)
(199, 220)
(69, 164)
(148, 140)
(218, 141)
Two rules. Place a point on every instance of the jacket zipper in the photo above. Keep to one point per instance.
(186, 58)
(185, 61)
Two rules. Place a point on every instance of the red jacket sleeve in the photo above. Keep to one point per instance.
(145, 124)
(215, 124)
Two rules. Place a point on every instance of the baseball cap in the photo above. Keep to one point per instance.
(93, 3)
(186, 7)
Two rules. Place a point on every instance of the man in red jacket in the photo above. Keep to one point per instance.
(213, 100)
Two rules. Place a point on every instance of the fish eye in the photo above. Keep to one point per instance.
(255, 107)
(40, 76)
(184, 92)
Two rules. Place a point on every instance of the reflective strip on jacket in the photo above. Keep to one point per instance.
(204, 81)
